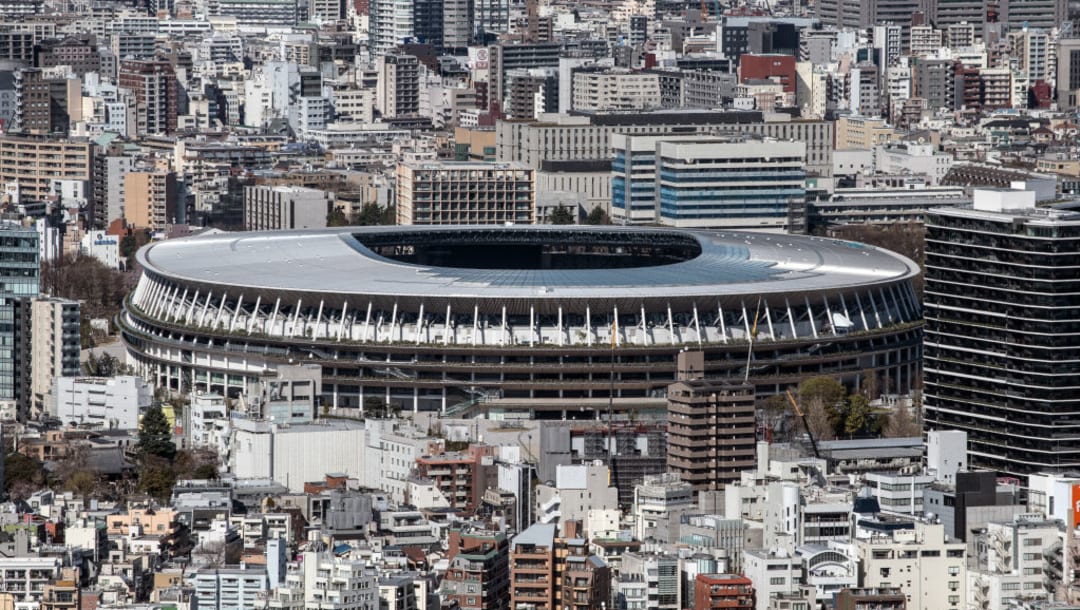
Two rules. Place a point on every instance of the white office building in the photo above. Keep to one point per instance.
(108, 402)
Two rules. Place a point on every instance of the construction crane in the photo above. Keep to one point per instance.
(705, 10)
(800, 413)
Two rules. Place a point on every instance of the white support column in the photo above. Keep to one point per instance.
(191, 310)
(393, 323)
(273, 317)
(903, 308)
(873, 307)
(810, 315)
(254, 313)
(180, 305)
(476, 323)
(885, 305)
(768, 318)
(151, 292)
(697, 325)
(847, 314)
(644, 327)
(615, 325)
(505, 330)
(532, 324)
(166, 302)
(588, 326)
(723, 325)
(367, 323)
(828, 312)
(296, 317)
(236, 313)
(791, 319)
(671, 324)
(560, 327)
(862, 310)
(159, 300)
(206, 308)
(420, 323)
(745, 319)
(221, 310)
(446, 327)
(318, 320)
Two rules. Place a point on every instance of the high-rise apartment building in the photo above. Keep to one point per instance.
(55, 344)
(549, 573)
(1001, 337)
(711, 430)
(478, 576)
(19, 282)
(110, 168)
(1068, 72)
(150, 199)
(397, 92)
(465, 193)
(44, 103)
(155, 87)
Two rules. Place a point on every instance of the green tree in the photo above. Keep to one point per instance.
(205, 471)
(858, 414)
(561, 215)
(156, 477)
(337, 218)
(155, 435)
(372, 214)
(597, 217)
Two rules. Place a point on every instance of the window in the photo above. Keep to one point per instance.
(777, 580)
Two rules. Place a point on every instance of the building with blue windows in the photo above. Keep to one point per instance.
(19, 282)
(695, 181)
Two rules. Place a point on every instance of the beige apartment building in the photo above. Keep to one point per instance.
(150, 200)
(34, 162)
(465, 193)
(55, 344)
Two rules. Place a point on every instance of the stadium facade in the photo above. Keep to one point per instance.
(538, 320)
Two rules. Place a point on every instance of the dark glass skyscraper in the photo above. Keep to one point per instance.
(1002, 335)
(19, 280)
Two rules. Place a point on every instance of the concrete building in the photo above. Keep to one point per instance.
(462, 478)
(587, 136)
(35, 162)
(465, 193)
(614, 89)
(109, 172)
(46, 103)
(532, 568)
(1009, 561)
(899, 493)
(775, 573)
(106, 402)
(150, 200)
(322, 580)
(155, 86)
(579, 490)
(294, 455)
(968, 296)
(659, 503)
(478, 577)
(55, 337)
(710, 432)
(397, 91)
(930, 571)
(749, 184)
(230, 588)
(727, 591)
(286, 207)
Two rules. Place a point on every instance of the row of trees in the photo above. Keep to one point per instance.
(370, 214)
(832, 412)
(158, 465)
(563, 215)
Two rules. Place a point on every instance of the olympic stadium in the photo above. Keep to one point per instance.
(513, 321)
